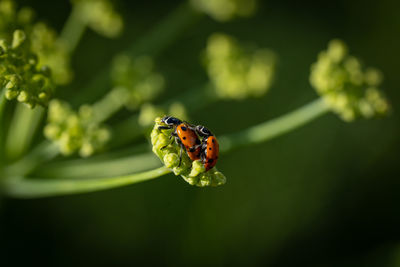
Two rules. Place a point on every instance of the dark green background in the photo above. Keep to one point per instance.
(324, 195)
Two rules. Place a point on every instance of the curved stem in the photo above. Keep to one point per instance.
(20, 187)
(22, 130)
(40, 154)
(79, 168)
(273, 128)
(73, 29)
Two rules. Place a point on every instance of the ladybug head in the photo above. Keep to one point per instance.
(203, 131)
(170, 121)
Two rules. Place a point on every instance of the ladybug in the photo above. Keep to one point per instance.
(209, 147)
(185, 136)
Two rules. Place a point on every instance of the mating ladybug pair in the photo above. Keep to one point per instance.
(187, 136)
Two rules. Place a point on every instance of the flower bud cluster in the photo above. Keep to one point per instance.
(235, 72)
(20, 73)
(224, 10)
(100, 16)
(169, 153)
(347, 87)
(74, 131)
(137, 76)
(32, 58)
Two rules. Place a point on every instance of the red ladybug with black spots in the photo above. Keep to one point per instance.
(185, 136)
(209, 147)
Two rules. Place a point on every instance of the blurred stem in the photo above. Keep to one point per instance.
(40, 154)
(154, 42)
(81, 168)
(109, 104)
(73, 29)
(273, 128)
(22, 129)
(20, 187)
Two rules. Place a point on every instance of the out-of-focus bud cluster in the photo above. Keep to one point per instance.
(237, 73)
(224, 10)
(138, 78)
(149, 111)
(74, 131)
(12, 19)
(349, 89)
(192, 172)
(100, 16)
(20, 73)
(32, 60)
(51, 52)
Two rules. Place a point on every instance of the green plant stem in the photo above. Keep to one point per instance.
(84, 168)
(20, 187)
(22, 130)
(73, 29)
(109, 104)
(273, 128)
(154, 42)
(40, 154)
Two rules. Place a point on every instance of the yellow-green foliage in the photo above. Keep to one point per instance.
(74, 131)
(224, 10)
(349, 89)
(237, 73)
(138, 78)
(100, 16)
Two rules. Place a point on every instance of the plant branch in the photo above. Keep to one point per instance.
(80, 168)
(40, 154)
(273, 128)
(22, 129)
(73, 29)
(20, 187)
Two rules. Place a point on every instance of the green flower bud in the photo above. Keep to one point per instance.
(237, 73)
(20, 73)
(18, 38)
(224, 10)
(193, 172)
(74, 131)
(347, 88)
(100, 16)
(138, 78)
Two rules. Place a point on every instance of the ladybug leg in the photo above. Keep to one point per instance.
(173, 134)
(180, 150)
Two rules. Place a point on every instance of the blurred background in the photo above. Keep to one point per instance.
(324, 195)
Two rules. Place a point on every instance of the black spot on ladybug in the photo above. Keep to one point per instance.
(183, 128)
(213, 141)
(184, 138)
(210, 160)
(209, 148)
